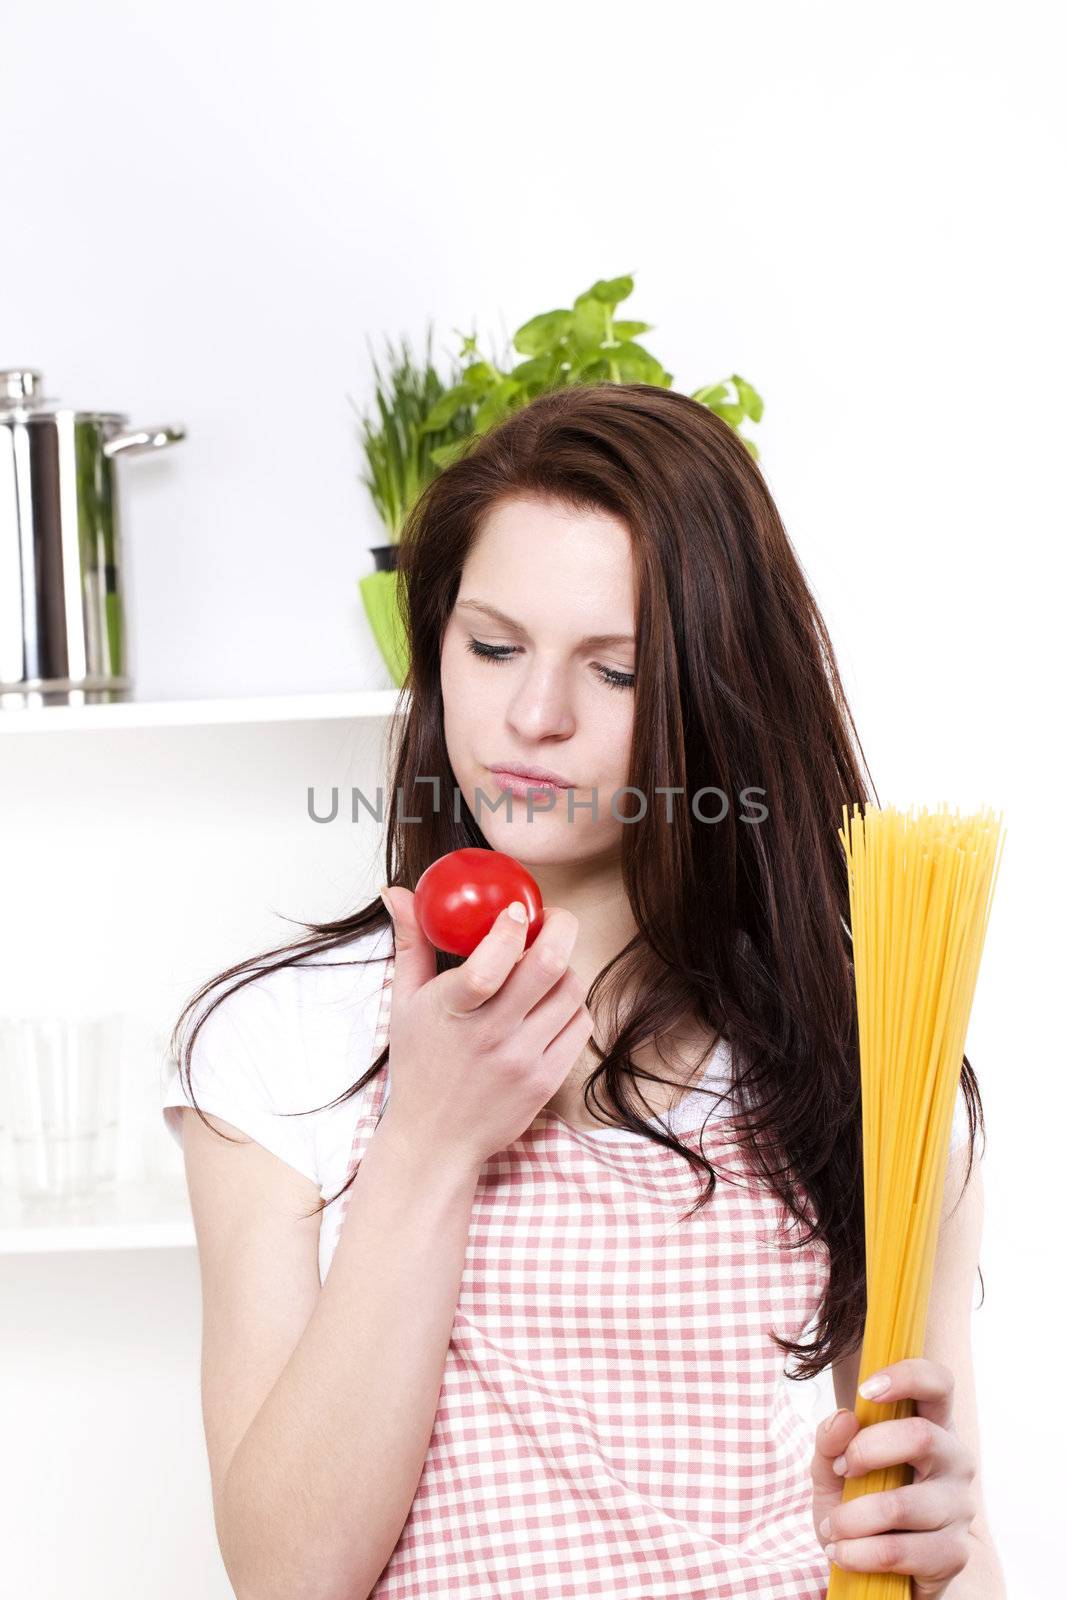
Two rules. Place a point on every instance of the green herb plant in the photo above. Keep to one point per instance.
(585, 344)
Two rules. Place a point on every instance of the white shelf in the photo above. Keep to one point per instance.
(132, 1217)
(344, 705)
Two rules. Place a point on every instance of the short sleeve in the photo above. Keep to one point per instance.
(245, 1067)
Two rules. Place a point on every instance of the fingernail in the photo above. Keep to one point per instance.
(824, 1527)
(386, 902)
(830, 1551)
(878, 1383)
(840, 1412)
(841, 1466)
(517, 911)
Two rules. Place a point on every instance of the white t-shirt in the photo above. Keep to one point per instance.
(291, 1040)
(296, 1038)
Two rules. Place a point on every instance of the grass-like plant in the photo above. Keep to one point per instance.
(397, 444)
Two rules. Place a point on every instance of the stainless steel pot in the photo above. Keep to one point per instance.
(62, 626)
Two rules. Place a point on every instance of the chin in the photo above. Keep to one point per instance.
(535, 844)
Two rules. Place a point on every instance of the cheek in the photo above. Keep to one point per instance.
(466, 703)
(462, 685)
(454, 674)
(607, 745)
(617, 735)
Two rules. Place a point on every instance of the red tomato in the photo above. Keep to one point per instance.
(460, 896)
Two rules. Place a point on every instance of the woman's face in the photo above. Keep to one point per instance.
(528, 682)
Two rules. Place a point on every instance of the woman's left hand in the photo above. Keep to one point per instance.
(924, 1527)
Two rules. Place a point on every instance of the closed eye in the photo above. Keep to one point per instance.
(503, 652)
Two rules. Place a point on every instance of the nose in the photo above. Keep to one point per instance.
(540, 707)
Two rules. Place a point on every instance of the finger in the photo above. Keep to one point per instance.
(414, 957)
(914, 1440)
(832, 1436)
(539, 970)
(932, 1559)
(564, 1000)
(929, 1383)
(919, 1507)
(493, 958)
(565, 1048)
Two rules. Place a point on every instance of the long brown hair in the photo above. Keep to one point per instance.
(744, 925)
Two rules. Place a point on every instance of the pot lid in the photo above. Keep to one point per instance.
(22, 398)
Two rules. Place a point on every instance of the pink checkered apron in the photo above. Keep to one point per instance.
(612, 1418)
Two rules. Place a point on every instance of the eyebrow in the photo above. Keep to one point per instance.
(599, 641)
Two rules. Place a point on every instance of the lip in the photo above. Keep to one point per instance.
(531, 775)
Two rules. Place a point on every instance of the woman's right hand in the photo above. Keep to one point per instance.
(477, 1051)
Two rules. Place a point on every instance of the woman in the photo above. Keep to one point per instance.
(540, 1343)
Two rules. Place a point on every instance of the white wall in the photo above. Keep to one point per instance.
(207, 210)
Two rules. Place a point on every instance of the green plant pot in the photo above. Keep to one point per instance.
(380, 603)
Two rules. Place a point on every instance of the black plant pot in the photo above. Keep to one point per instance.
(385, 556)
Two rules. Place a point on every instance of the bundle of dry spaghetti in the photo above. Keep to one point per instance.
(920, 892)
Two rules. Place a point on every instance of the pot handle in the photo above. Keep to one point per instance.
(143, 439)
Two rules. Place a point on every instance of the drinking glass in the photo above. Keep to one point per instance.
(60, 1083)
